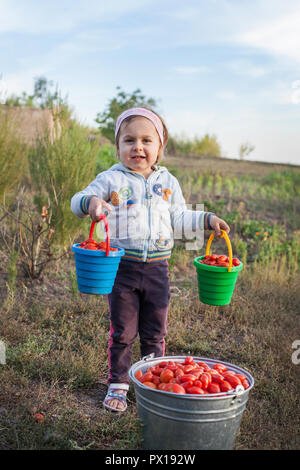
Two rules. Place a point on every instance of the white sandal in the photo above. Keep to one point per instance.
(118, 391)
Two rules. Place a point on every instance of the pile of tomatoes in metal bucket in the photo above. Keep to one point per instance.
(192, 377)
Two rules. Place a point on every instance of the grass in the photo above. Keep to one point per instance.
(56, 338)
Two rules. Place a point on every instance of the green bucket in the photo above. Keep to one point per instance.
(216, 284)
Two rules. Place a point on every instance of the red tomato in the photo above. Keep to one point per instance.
(187, 385)
(179, 372)
(222, 258)
(214, 257)
(188, 377)
(241, 377)
(245, 384)
(138, 374)
(146, 377)
(220, 367)
(195, 390)
(197, 372)
(217, 378)
(175, 388)
(233, 380)
(213, 388)
(198, 383)
(162, 364)
(225, 386)
(157, 370)
(150, 384)
(204, 365)
(166, 375)
(189, 360)
(223, 264)
(38, 418)
(173, 368)
(162, 386)
(156, 379)
(188, 368)
(205, 380)
(236, 262)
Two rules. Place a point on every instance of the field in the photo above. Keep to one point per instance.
(56, 338)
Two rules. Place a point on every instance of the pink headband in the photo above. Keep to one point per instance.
(145, 113)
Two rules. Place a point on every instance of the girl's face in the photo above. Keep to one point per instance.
(139, 145)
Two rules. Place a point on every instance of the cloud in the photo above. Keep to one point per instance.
(226, 95)
(271, 26)
(33, 17)
(246, 68)
(190, 70)
(280, 36)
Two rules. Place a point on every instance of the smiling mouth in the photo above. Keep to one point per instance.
(138, 157)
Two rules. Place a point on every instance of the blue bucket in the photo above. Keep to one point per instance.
(96, 270)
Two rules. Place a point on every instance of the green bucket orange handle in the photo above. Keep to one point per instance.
(216, 284)
(225, 236)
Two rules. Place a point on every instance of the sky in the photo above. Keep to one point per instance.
(230, 68)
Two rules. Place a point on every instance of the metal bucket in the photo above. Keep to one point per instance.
(188, 422)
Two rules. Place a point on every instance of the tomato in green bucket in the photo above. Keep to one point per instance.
(216, 284)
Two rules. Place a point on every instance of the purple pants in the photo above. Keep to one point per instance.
(138, 305)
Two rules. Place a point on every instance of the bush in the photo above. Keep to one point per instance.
(207, 146)
(106, 158)
(12, 154)
(60, 169)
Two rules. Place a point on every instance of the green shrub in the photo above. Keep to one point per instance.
(58, 170)
(12, 154)
(207, 146)
(105, 158)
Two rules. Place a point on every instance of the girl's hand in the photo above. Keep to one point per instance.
(217, 224)
(96, 207)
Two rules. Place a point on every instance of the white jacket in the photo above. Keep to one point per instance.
(147, 213)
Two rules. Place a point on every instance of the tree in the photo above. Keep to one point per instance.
(44, 96)
(245, 149)
(116, 106)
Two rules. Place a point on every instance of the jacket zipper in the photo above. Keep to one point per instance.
(146, 245)
(148, 198)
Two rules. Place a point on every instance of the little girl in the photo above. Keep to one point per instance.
(145, 207)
